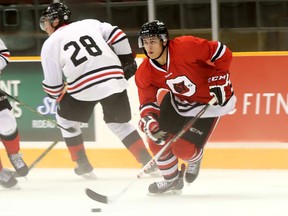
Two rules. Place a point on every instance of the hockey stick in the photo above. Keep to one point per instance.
(113, 198)
(70, 129)
(37, 160)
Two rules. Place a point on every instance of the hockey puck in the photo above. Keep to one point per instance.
(96, 210)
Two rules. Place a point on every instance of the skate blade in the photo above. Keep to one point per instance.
(89, 176)
(167, 193)
(15, 187)
(154, 174)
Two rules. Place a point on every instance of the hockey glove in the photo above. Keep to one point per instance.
(218, 86)
(128, 64)
(129, 69)
(150, 126)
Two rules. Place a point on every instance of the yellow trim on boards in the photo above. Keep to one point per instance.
(268, 53)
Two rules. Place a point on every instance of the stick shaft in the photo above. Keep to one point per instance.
(110, 199)
(37, 160)
(34, 111)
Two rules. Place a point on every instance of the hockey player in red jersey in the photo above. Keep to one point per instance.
(95, 61)
(9, 132)
(192, 70)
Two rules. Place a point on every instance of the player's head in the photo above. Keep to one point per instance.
(56, 14)
(155, 28)
(156, 31)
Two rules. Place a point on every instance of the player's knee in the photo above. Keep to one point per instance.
(153, 146)
(8, 124)
(184, 149)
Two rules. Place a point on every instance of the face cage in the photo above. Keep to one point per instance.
(160, 36)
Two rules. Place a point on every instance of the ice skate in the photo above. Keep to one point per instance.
(7, 180)
(192, 171)
(18, 164)
(168, 187)
(84, 169)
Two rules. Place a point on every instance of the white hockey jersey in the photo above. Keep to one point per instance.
(4, 55)
(83, 54)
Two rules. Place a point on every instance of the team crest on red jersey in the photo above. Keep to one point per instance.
(180, 87)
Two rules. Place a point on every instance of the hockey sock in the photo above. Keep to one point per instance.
(168, 165)
(11, 143)
(134, 143)
(75, 145)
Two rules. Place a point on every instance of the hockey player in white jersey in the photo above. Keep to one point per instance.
(9, 132)
(85, 63)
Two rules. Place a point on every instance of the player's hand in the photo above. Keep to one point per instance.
(129, 69)
(129, 64)
(150, 126)
(218, 87)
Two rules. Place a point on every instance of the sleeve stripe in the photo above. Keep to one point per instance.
(121, 39)
(5, 54)
(112, 33)
(219, 52)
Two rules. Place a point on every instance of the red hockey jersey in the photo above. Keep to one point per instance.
(193, 64)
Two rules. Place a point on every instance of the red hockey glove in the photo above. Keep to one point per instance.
(219, 87)
(150, 126)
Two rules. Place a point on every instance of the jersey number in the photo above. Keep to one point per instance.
(88, 43)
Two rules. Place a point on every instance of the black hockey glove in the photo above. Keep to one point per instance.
(129, 69)
(218, 85)
(129, 65)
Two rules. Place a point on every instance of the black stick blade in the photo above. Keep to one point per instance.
(96, 196)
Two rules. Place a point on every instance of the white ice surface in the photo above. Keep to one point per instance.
(60, 192)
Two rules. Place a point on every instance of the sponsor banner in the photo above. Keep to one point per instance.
(260, 84)
(23, 80)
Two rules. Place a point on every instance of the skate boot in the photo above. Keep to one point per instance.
(7, 180)
(168, 187)
(18, 164)
(192, 171)
(84, 168)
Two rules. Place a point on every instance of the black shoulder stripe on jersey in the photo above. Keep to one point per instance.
(218, 53)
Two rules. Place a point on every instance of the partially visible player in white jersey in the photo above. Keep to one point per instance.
(85, 63)
(9, 132)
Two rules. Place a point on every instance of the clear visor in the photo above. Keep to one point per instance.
(140, 39)
(140, 42)
(42, 22)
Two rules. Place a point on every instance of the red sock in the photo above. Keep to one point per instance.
(136, 148)
(12, 146)
(74, 151)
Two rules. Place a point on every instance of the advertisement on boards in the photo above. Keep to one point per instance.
(23, 81)
(261, 113)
